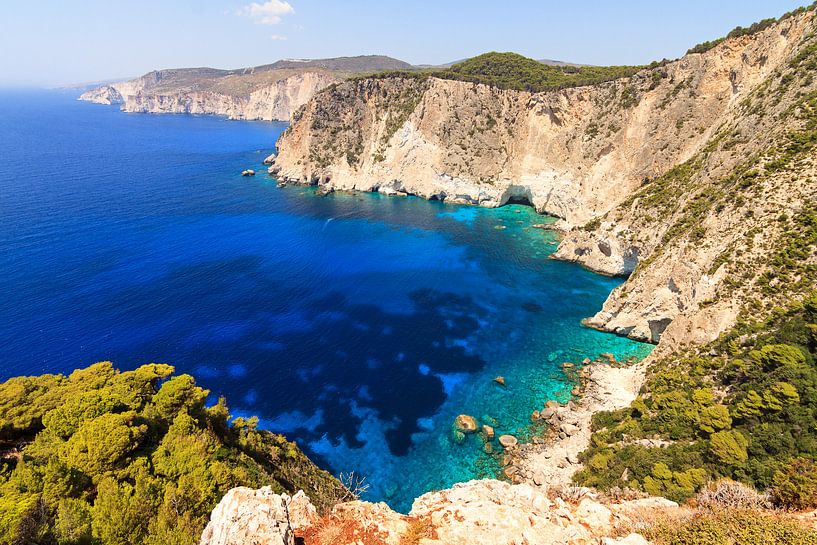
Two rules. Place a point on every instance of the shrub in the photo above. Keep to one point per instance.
(732, 527)
(795, 486)
(729, 447)
(132, 458)
(727, 493)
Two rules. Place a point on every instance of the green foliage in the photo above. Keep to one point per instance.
(729, 447)
(131, 458)
(745, 414)
(739, 31)
(795, 484)
(514, 71)
(732, 527)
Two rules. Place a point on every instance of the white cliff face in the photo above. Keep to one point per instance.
(484, 512)
(644, 163)
(574, 153)
(276, 100)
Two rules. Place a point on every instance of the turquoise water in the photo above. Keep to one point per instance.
(358, 324)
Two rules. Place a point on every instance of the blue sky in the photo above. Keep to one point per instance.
(52, 42)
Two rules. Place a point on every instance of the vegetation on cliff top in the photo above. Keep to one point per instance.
(743, 408)
(514, 71)
(126, 458)
(754, 28)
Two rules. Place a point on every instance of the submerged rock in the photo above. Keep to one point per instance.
(500, 380)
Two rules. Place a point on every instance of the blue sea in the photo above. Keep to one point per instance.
(357, 324)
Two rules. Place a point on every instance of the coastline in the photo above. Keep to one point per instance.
(554, 460)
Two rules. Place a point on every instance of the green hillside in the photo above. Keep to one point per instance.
(127, 458)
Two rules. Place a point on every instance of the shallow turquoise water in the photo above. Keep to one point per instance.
(361, 325)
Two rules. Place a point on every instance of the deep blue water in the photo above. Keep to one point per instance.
(360, 325)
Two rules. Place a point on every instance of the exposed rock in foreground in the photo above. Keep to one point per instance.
(484, 512)
(690, 173)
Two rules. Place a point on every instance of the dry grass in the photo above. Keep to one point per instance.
(418, 529)
(728, 494)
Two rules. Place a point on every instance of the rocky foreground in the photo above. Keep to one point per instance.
(484, 512)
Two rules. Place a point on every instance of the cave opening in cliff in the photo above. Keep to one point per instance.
(522, 200)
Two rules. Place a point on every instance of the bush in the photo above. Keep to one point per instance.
(729, 447)
(730, 494)
(733, 527)
(795, 486)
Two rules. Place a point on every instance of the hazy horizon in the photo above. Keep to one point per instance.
(63, 44)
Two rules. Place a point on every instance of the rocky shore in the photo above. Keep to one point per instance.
(553, 459)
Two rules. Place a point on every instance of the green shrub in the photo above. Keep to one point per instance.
(732, 527)
(795, 485)
(132, 458)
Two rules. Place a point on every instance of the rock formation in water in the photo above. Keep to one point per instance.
(685, 176)
(269, 92)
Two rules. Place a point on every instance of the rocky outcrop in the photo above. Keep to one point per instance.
(274, 97)
(485, 512)
(642, 170)
(247, 516)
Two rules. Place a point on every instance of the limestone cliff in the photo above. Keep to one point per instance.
(274, 97)
(482, 512)
(652, 166)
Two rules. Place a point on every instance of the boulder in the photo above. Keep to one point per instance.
(248, 172)
(254, 516)
(500, 380)
(466, 423)
(552, 404)
(270, 160)
(488, 432)
(508, 441)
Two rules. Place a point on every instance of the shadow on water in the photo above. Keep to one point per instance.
(323, 355)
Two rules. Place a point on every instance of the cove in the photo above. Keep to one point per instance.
(360, 325)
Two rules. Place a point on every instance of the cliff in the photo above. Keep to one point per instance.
(645, 164)
(269, 92)
(482, 512)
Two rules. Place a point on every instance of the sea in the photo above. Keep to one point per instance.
(357, 324)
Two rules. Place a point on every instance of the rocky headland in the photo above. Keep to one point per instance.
(270, 92)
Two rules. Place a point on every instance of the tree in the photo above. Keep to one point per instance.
(729, 447)
(795, 485)
(715, 418)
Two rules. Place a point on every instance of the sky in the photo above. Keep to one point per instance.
(61, 42)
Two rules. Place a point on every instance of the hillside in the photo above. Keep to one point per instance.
(268, 92)
(137, 457)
